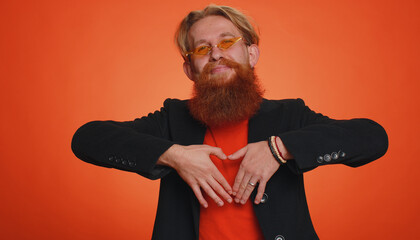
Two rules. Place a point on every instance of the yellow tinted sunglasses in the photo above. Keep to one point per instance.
(224, 44)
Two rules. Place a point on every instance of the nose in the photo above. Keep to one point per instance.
(216, 54)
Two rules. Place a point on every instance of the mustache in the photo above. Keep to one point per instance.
(225, 62)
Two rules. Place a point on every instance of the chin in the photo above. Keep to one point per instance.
(224, 77)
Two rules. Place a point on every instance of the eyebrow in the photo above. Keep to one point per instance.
(224, 34)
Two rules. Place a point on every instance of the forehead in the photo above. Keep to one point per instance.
(211, 28)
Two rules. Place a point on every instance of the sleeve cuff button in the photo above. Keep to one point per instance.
(320, 159)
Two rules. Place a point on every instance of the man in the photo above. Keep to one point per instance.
(230, 162)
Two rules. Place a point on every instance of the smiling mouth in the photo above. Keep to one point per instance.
(220, 69)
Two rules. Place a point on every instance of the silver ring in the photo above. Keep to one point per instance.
(252, 184)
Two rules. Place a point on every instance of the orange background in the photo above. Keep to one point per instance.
(64, 63)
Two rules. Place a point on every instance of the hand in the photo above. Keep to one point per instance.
(258, 165)
(194, 165)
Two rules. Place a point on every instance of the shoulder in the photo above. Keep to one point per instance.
(170, 106)
(283, 104)
(174, 103)
(176, 108)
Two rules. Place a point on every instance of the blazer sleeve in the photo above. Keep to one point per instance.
(133, 146)
(320, 140)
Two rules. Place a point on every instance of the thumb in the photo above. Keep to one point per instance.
(218, 153)
(238, 154)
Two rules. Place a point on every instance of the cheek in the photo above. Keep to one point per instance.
(198, 66)
(241, 56)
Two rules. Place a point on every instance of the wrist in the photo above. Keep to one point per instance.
(275, 151)
(284, 153)
(170, 156)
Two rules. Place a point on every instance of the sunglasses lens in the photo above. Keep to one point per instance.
(203, 50)
(227, 43)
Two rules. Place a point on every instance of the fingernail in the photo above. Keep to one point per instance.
(243, 201)
(205, 206)
(220, 203)
(229, 200)
(234, 193)
(230, 192)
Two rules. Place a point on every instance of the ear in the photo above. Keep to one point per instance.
(188, 71)
(254, 54)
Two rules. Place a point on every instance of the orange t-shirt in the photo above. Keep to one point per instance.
(232, 220)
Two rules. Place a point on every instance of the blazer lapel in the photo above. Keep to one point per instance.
(188, 131)
(259, 127)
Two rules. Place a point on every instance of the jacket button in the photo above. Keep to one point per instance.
(264, 199)
(131, 164)
(342, 154)
(327, 157)
(320, 159)
(279, 237)
(111, 158)
(124, 162)
(334, 155)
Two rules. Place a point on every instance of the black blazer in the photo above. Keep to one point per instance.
(313, 139)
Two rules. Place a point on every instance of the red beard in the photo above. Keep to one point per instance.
(219, 102)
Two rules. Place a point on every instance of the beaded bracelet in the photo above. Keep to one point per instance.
(274, 150)
(278, 149)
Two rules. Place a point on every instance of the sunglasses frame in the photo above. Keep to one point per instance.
(194, 52)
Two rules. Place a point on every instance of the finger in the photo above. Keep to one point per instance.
(260, 193)
(238, 180)
(219, 190)
(217, 152)
(249, 188)
(209, 191)
(197, 191)
(238, 154)
(242, 187)
(220, 179)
